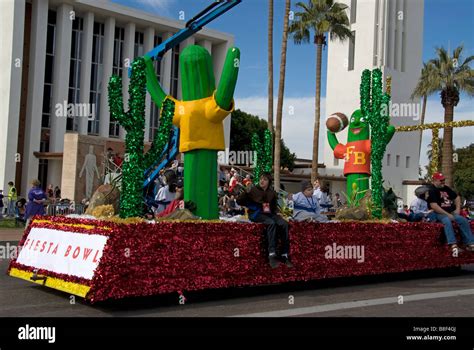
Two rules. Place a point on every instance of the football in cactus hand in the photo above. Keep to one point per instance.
(336, 122)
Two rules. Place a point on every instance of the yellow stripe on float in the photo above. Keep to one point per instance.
(61, 224)
(52, 282)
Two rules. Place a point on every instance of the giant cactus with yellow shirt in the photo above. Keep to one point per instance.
(199, 117)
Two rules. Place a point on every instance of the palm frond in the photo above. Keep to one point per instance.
(446, 72)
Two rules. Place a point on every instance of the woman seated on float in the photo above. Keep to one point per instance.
(176, 203)
(305, 205)
(166, 193)
(419, 209)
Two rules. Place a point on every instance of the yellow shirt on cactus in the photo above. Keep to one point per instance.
(200, 124)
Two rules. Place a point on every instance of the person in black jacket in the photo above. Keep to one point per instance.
(261, 202)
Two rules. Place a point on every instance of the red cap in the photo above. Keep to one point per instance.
(438, 176)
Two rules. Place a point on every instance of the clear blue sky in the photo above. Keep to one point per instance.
(446, 21)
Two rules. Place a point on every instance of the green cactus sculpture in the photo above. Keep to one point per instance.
(374, 105)
(133, 121)
(264, 155)
(199, 117)
(364, 149)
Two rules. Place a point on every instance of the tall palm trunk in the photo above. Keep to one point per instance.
(281, 91)
(423, 111)
(447, 161)
(317, 116)
(270, 65)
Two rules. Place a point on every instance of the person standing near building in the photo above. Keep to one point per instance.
(12, 197)
(57, 193)
(261, 202)
(336, 201)
(234, 180)
(36, 201)
(50, 192)
(447, 205)
(1, 204)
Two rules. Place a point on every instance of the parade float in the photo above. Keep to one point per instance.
(109, 257)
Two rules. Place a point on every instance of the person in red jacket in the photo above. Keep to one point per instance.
(176, 203)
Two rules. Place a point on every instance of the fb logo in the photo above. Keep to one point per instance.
(359, 157)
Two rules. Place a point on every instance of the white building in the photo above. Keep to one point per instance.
(60, 52)
(388, 35)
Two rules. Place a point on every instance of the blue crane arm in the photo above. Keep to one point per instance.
(194, 25)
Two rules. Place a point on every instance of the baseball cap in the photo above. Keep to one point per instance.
(438, 176)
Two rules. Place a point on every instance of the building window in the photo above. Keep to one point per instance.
(174, 72)
(397, 161)
(43, 172)
(96, 76)
(402, 68)
(119, 40)
(407, 162)
(43, 163)
(139, 38)
(154, 110)
(352, 51)
(353, 11)
(336, 161)
(388, 159)
(376, 34)
(388, 28)
(117, 68)
(48, 73)
(395, 51)
(75, 72)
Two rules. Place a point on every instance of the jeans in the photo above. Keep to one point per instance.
(275, 224)
(464, 227)
(415, 217)
(432, 217)
(11, 207)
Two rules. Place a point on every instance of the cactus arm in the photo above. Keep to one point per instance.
(332, 138)
(153, 86)
(116, 102)
(162, 136)
(137, 91)
(225, 90)
(390, 133)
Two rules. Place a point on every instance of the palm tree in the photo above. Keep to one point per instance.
(270, 65)
(424, 89)
(320, 17)
(281, 91)
(450, 77)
